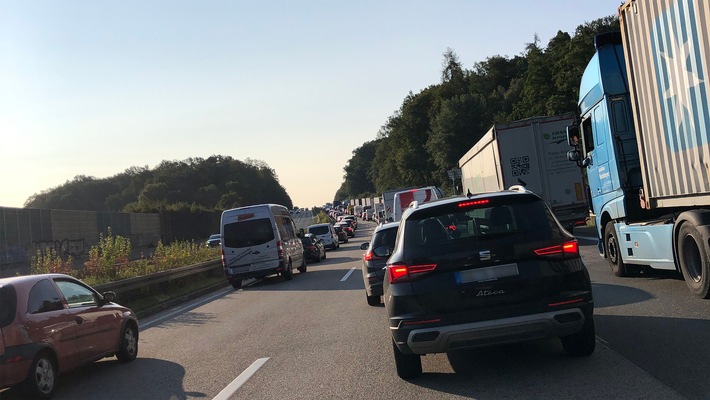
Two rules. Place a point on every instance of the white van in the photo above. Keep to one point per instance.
(260, 240)
(420, 195)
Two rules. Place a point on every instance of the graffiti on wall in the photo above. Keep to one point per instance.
(65, 247)
(13, 254)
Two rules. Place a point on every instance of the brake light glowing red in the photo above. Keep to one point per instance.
(563, 303)
(368, 256)
(403, 273)
(473, 203)
(570, 247)
(280, 249)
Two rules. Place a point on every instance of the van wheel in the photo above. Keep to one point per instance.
(288, 272)
(237, 283)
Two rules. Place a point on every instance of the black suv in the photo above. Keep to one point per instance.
(484, 270)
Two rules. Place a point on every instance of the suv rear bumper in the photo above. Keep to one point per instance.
(486, 333)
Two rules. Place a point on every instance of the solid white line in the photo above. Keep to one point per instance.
(345, 278)
(182, 309)
(228, 391)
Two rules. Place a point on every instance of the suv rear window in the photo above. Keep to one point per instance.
(248, 233)
(460, 226)
(319, 230)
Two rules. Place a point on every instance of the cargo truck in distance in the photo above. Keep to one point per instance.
(644, 140)
(531, 153)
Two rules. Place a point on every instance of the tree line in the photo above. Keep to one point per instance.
(434, 128)
(195, 184)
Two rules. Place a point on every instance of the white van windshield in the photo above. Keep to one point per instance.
(248, 233)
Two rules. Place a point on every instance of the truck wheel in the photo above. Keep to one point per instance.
(694, 261)
(613, 251)
(408, 365)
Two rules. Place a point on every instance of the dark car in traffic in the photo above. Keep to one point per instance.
(342, 235)
(53, 323)
(379, 248)
(347, 227)
(484, 270)
(313, 247)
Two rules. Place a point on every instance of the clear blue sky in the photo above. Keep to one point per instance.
(93, 87)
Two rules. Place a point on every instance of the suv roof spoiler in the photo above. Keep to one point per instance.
(519, 188)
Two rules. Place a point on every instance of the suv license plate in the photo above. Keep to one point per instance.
(487, 273)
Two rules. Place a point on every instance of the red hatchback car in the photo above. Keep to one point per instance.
(53, 323)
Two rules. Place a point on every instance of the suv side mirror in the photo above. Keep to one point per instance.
(365, 246)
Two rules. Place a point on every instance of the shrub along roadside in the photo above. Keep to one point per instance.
(108, 262)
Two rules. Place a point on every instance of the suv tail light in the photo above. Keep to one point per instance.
(570, 247)
(400, 272)
(369, 256)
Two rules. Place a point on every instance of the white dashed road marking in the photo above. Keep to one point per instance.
(227, 392)
(345, 278)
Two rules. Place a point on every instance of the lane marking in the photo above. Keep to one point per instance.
(228, 391)
(348, 274)
(182, 309)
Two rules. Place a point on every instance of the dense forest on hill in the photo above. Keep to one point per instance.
(434, 128)
(195, 184)
(423, 139)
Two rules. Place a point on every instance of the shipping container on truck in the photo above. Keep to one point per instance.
(645, 140)
(532, 153)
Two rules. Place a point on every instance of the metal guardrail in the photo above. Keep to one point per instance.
(131, 284)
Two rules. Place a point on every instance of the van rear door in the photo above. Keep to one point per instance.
(249, 241)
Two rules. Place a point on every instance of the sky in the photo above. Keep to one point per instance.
(94, 87)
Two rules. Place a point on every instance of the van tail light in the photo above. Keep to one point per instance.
(280, 249)
(570, 247)
(400, 272)
(224, 260)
